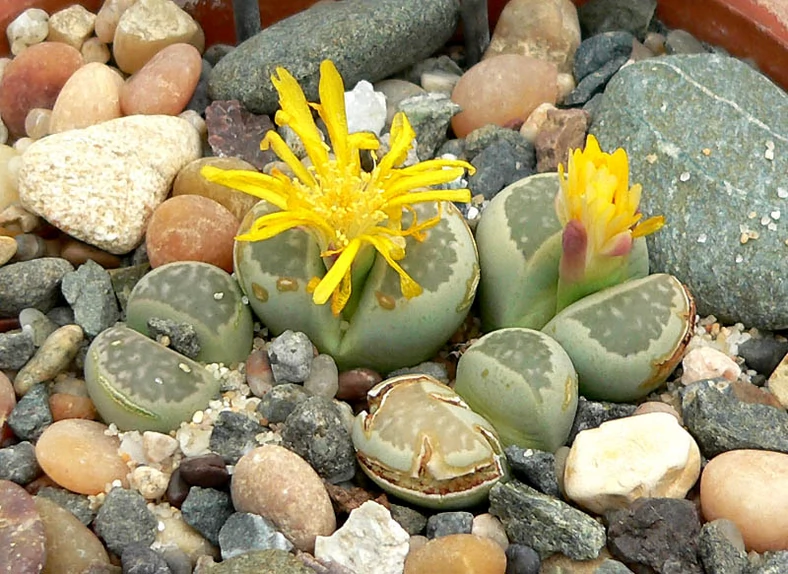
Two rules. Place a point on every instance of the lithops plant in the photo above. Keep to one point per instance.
(141, 385)
(551, 239)
(421, 442)
(524, 383)
(625, 341)
(378, 269)
(202, 296)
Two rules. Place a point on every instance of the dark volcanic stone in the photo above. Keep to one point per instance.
(446, 523)
(18, 463)
(124, 519)
(89, 292)
(496, 167)
(705, 182)
(594, 82)
(233, 131)
(717, 552)
(140, 559)
(76, 504)
(277, 404)
(633, 16)
(534, 467)
(206, 510)
(315, 432)
(366, 39)
(411, 520)
(183, 338)
(763, 354)
(770, 563)
(31, 415)
(658, 532)
(200, 100)
(34, 283)
(720, 421)
(233, 436)
(596, 51)
(429, 116)
(591, 414)
(243, 532)
(522, 559)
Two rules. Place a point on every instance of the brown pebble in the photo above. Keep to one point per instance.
(191, 182)
(501, 90)
(456, 553)
(354, 384)
(177, 489)
(191, 228)
(207, 471)
(70, 545)
(65, 406)
(164, 84)
(259, 375)
(657, 407)
(22, 538)
(78, 455)
(76, 252)
(561, 132)
(33, 80)
(90, 96)
(51, 359)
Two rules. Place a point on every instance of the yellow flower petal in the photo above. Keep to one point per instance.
(257, 184)
(276, 143)
(339, 269)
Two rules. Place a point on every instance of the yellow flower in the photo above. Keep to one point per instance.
(595, 193)
(344, 207)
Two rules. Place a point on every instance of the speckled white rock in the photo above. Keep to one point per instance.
(30, 27)
(279, 485)
(101, 184)
(150, 482)
(366, 109)
(370, 541)
(648, 455)
(708, 363)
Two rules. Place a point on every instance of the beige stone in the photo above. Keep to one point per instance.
(37, 123)
(708, 363)
(457, 553)
(7, 249)
(502, 90)
(191, 182)
(148, 26)
(102, 183)
(536, 118)
(94, 50)
(8, 177)
(72, 26)
(108, 17)
(649, 455)
(544, 29)
(174, 534)
(778, 380)
(89, 97)
(488, 526)
(281, 486)
(749, 488)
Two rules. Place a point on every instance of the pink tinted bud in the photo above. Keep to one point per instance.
(574, 243)
(618, 245)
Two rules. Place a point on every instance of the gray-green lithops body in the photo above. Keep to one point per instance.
(202, 296)
(626, 340)
(139, 384)
(524, 383)
(421, 442)
(385, 331)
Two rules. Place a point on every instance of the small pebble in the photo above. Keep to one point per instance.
(40, 326)
(190, 181)
(234, 435)
(177, 489)
(534, 467)
(31, 284)
(323, 379)
(259, 376)
(94, 51)
(80, 456)
(488, 526)
(76, 504)
(290, 355)
(107, 18)
(66, 406)
(206, 510)
(721, 548)
(30, 27)
(22, 535)
(18, 463)
(140, 559)
(16, 349)
(464, 553)
(123, 520)
(89, 292)
(208, 471)
(150, 482)
(31, 415)
(446, 523)
(708, 363)
(52, 358)
(243, 532)
(8, 247)
(521, 559)
(366, 109)
(354, 384)
(72, 26)
(95, 81)
(410, 519)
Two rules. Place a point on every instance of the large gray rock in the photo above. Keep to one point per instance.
(707, 137)
(366, 40)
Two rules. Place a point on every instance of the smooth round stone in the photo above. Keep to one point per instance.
(30, 27)
(70, 545)
(502, 90)
(22, 536)
(79, 456)
(455, 553)
(190, 181)
(749, 488)
(191, 228)
(279, 485)
(8, 177)
(165, 84)
(89, 97)
(108, 17)
(33, 80)
(94, 50)
(65, 406)
(148, 26)
(37, 123)
(77, 253)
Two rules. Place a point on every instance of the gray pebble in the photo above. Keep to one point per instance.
(436, 370)
(183, 338)
(89, 292)
(446, 523)
(206, 510)
(485, 136)
(411, 520)
(770, 563)
(243, 532)
(277, 404)
(521, 559)
(599, 16)
(16, 349)
(290, 355)
(534, 467)
(33, 283)
(315, 432)
(682, 42)
(77, 504)
(18, 463)
(61, 316)
(721, 548)
(200, 100)
(596, 51)
(31, 415)
(234, 435)
(612, 567)
(124, 519)
(591, 414)
(39, 325)
(429, 115)
(141, 559)
(594, 82)
(216, 52)
(763, 354)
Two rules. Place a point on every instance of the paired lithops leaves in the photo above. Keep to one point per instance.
(141, 385)
(385, 330)
(421, 442)
(202, 296)
(524, 383)
(626, 340)
(520, 244)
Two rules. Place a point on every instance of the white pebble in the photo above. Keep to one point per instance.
(30, 27)
(366, 109)
(158, 446)
(707, 363)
